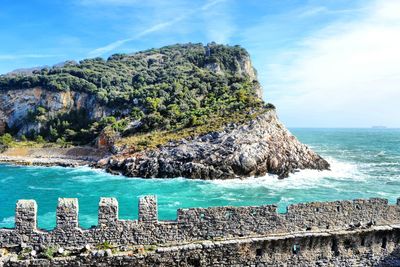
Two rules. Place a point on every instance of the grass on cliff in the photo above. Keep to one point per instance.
(165, 89)
(8, 142)
(142, 141)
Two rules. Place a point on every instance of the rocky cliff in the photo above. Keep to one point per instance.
(260, 146)
(189, 110)
(16, 104)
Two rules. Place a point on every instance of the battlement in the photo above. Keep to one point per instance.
(194, 223)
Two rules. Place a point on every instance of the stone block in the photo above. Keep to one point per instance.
(26, 216)
(108, 212)
(148, 210)
(67, 213)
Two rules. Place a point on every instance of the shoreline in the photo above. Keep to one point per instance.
(44, 162)
(50, 157)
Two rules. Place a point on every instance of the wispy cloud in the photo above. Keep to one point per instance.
(25, 56)
(322, 10)
(109, 2)
(152, 29)
(218, 23)
(345, 74)
(210, 4)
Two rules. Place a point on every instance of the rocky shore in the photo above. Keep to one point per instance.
(64, 157)
(256, 148)
(47, 162)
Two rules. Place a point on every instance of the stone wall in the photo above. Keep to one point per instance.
(194, 224)
(365, 247)
(2, 126)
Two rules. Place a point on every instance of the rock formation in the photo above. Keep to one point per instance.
(15, 106)
(260, 146)
(175, 89)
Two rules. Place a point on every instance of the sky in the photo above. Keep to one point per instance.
(331, 63)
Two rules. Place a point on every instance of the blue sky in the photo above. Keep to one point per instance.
(331, 63)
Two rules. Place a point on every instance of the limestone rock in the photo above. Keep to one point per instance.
(255, 148)
(16, 104)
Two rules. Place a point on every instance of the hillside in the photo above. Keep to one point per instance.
(170, 88)
(146, 102)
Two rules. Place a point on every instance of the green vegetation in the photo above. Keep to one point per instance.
(105, 245)
(155, 95)
(150, 248)
(49, 253)
(6, 140)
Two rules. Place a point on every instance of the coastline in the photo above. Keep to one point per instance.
(46, 162)
(49, 157)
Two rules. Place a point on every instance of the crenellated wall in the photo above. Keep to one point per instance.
(193, 224)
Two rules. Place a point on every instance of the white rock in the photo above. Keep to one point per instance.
(108, 253)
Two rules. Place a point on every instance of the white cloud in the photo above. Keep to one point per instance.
(346, 74)
(109, 2)
(25, 56)
(154, 28)
(218, 24)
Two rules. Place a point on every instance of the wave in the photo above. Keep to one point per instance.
(7, 179)
(380, 154)
(7, 222)
(302, 179)
(44, 188)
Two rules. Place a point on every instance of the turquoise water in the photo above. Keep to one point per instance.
(365, 163)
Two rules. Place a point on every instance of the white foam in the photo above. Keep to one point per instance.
(43, 188)
(7, 222)
(7, 179)
(303, 179)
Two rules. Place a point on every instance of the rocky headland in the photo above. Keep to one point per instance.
(260, 146)
(188, 110)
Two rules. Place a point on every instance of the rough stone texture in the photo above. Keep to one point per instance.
(243, 66)
(195, 224)
(2, 126)
(370, 247)
(67, 213)
(25, 216)
(15, 105)
(108, 212)
(260, 146)
(148, 210)
(340, 233)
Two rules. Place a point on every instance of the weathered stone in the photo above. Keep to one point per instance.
(108, 212)
(108, 253)
(25, 217)
(100, 253)
(148, 210)
(339, 233)
(260, 146)
(67, 213)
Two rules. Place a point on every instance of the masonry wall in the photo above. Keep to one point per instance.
(350, 248)
(193, 224)
(2, 126)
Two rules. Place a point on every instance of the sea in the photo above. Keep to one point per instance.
(365, 163)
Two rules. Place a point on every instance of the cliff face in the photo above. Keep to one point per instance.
(209, 93)
(15, 106)
(243, 67)
(260, 146)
